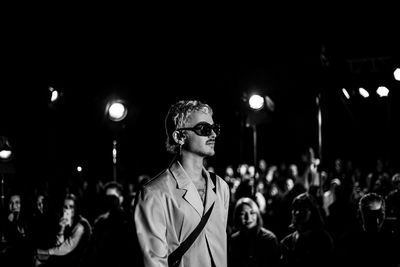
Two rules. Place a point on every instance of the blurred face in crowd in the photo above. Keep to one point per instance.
(293, 172)
(40, 203)
(251, 170)
(248, 217)
(338, 165)
(14, 204)
(262, 164)
(300, 215)
(229, 171)
(243, 169)
(69, 210)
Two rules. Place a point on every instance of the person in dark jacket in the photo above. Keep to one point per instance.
(113, 233)
(309, 244)
(375, 244)
(251, 245)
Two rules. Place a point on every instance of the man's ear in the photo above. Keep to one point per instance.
(179, 137)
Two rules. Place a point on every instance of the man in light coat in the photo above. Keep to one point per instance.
(171, 205)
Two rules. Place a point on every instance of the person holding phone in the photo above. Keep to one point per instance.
(74, 233)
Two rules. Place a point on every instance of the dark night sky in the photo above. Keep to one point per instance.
(151, 67)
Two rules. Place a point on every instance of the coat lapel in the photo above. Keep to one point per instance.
(211, 195)
(184, 183)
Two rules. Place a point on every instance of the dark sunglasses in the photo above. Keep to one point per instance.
(204, 129)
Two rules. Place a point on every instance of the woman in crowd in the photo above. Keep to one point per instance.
(72, 238)
(251, 245)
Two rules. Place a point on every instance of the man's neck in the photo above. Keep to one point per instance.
(193, 166)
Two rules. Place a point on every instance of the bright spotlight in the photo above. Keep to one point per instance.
(346, 94)
(382, 91)
(54, 94)
(6, 151)
(5, 154)
(364, 93)
(117, 111)
(79, 168)
(396, 74)
(256, 102)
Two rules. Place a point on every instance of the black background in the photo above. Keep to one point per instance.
(156, 61)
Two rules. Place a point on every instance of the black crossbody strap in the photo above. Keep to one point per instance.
(175, 257)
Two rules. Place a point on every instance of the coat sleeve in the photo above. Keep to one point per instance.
(150, 223)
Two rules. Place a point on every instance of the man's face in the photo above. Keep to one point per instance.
(196, 144)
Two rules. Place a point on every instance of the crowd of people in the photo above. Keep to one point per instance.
(341, 216)
(277, 217)
(297, 214)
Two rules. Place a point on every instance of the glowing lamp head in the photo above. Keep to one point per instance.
(382, 91)
(117, 111)
(397, 74)
(6, 151)
(346, 94)
(364, 93)
(54, 96)
(256, 102)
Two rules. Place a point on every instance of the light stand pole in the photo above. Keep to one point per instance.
(315, 162)
(6, 155)
(318, 100)
(254, 126)
(116, 111)
(114, 154)
(3, 204)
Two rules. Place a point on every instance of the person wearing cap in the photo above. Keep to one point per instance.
(171, 205)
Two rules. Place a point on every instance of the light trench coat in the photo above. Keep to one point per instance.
(169, 208)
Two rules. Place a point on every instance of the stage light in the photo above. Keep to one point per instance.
(396, 74)
(117, 111)
(364, 93)
(54, 94)
(382, 91)
(5, 154)
(346, 94)
(6, 151)
(256, 102)
(79, 168)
